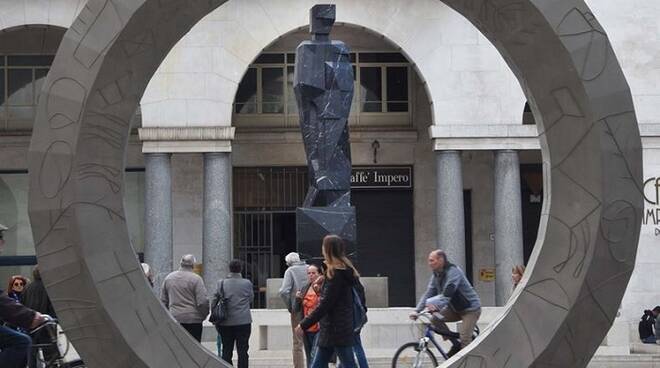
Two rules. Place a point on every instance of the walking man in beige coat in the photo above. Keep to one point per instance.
(184, 295)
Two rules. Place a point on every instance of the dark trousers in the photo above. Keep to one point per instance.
(14, 347)
(194, 329)
(240, 335)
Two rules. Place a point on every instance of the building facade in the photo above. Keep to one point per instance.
(444, 146)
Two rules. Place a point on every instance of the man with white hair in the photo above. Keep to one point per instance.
(295, 278)
(185, 296)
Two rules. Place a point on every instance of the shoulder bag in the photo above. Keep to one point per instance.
(219, 308)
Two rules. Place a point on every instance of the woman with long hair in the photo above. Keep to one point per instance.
(335, 309)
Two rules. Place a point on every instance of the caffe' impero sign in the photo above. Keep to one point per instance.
(381, 177)
(652, 204)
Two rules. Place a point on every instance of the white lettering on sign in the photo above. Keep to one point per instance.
(381, 177)
(389, 179)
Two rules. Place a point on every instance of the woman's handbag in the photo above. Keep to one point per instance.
(219, 308)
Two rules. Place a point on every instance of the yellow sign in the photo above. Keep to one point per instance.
(487, 274)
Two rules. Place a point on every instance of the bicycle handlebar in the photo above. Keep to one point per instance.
(48, 321)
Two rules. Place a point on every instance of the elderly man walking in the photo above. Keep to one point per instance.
(185, 296)
(295, 279)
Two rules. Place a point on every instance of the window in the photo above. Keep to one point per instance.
(21, 79)
(528, 116)
(267, 87)
(246, 96)
(272, 87)
(371, 89)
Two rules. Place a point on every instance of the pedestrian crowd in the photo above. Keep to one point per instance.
(326, 302)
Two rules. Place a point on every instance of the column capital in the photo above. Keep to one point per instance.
(449, 151)
(186, 139)
(484, 136)
(506, 150)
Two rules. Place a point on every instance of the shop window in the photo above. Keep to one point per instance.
(21, 79)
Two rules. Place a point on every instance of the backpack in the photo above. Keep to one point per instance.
(645, 326)
(359, 312)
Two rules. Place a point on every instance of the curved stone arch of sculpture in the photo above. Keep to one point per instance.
(592, 160)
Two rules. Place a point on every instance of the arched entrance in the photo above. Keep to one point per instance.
(592, 156)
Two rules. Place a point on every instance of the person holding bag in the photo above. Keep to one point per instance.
(233, 321)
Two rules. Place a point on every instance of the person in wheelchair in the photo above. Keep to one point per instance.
(15, 346)
(451, 298)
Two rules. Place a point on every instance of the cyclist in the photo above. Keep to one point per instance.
(451, 298)
(15, 346)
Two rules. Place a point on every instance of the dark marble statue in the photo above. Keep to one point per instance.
(323, 84)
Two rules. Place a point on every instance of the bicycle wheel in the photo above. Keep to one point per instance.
(410, 355)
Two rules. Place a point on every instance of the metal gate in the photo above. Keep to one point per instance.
(259, 194)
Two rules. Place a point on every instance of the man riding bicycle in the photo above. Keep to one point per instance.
(451, 298)
(15, 346)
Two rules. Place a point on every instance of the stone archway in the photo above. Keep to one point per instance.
(591, 149)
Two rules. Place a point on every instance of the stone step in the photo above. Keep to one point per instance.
(382, 358)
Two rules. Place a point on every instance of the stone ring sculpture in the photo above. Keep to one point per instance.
(592, 160)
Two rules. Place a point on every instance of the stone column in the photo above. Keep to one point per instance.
(158, 215)
(450, 211)
(217, 237)
(508, 221)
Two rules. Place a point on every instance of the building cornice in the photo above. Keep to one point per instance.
(513, 136)
(186, 139)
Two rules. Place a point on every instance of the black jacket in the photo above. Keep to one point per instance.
(15, 313)
(35, 297)
(335, 310)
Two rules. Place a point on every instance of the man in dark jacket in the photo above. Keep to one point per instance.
(451, 295)
(14, 346)
(35, 297)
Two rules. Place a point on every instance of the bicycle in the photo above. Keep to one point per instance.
(51, 346)
(418, 354)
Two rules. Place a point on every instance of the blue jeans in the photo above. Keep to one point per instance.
(14, 347)
(309, 342)
(323, 355)
(649, 340)
(358, 350)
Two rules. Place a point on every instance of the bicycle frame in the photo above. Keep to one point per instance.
(429, 336)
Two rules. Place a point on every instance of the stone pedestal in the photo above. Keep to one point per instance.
(508, 222)
(450, 211)
(217, 247)
(158, 215)
(314, 223)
